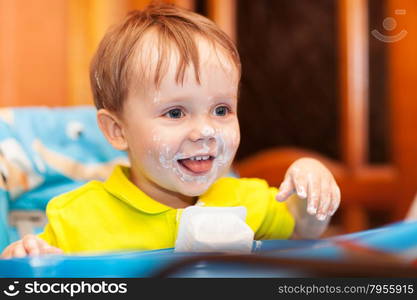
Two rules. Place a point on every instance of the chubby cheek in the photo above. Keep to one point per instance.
(230, 137)
(145, 147)
(163, 147)
(235, 138)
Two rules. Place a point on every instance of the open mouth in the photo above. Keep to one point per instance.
(197, 165)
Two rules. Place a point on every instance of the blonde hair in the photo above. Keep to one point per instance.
(112, 66)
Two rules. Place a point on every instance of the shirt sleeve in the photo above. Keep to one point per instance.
(48, 235)
(278, 222)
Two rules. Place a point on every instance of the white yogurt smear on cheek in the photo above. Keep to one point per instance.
(164, 157)
(225, 147)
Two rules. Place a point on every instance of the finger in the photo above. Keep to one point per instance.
(301, 186)
(30, 243)
(286, 189)
(325, 198)
(336, 196)
(314, 190)
(53, 250)
(48, 249)
(7, 253)
(45, 248)
(19, 250)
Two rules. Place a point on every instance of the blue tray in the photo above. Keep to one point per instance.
(398, 238)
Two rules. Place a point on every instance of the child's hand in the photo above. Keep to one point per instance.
(29, 245)
(312, 181)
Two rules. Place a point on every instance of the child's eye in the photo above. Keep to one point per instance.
(221, 110)
(175, 113)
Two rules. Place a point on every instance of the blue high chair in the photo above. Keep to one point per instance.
(45, 152)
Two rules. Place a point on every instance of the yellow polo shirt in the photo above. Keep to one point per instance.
(116, 215)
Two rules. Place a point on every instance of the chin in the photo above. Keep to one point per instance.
(196, 186)
(194, 192)
(194, 189)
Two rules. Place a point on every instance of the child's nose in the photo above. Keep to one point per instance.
(202, 131)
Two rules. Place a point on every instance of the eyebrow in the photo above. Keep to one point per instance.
(226, 96)
(190, 98)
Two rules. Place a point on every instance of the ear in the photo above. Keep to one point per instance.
(112, 128)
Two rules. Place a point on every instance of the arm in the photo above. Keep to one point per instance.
(412, 212)
(312, 197)
(307, 226)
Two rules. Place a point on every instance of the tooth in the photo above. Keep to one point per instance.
(204, 157)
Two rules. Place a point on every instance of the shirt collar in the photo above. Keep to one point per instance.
(119, 185)
(223, 192)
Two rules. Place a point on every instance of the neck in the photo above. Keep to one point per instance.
(158, 193)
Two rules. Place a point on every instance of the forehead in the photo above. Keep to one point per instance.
(156, 60)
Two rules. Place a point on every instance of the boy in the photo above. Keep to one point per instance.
(165, 83)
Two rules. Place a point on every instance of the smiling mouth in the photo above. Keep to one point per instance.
(197, 165)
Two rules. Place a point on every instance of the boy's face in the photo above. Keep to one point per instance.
(181, 138)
